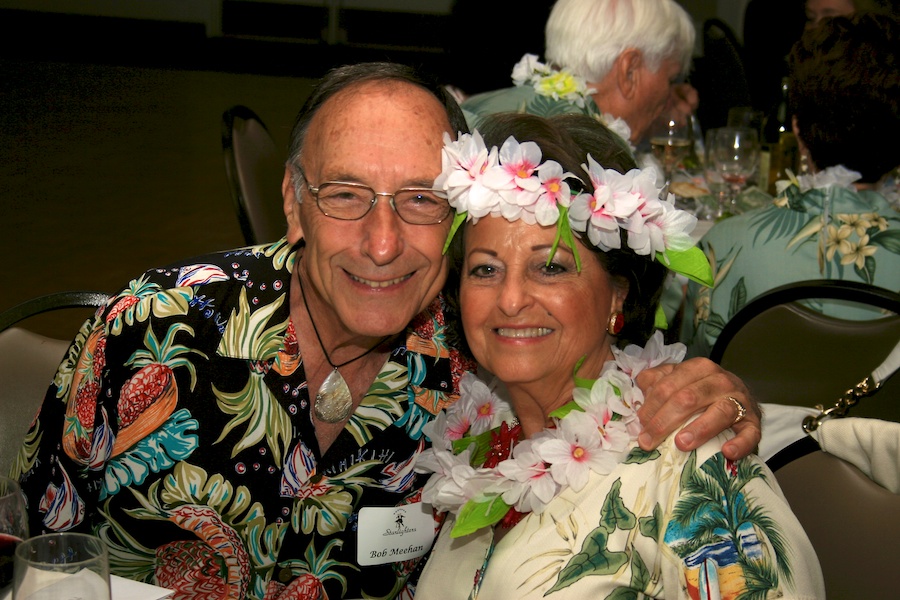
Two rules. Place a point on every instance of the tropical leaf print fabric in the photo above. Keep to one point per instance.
(820, 233)
(178, 429)
(663, 524)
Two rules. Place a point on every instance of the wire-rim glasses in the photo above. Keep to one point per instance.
(349, 201)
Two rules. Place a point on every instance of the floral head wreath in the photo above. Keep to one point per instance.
(513, 183)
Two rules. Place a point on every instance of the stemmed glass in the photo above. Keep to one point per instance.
(672, 143)
(13, 526)
(732, 156)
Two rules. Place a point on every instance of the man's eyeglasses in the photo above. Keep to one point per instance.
(351, 201)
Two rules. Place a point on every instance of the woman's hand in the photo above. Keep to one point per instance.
(673, 393)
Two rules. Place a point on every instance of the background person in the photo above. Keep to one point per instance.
(835, 223)
(629, 52)
(224, 421)
(551, 495)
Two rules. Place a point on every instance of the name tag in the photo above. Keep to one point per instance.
(390, 534)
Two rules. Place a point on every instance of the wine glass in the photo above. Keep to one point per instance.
(62, 566)
(732, 156)
(672, 143)
(13, 526)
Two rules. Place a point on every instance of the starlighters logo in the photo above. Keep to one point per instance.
(399, 527)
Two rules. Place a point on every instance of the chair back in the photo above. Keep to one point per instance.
(28, 362)
(852, 521)
(255, 171)
(720, 77)
(49, 302)
(787, 353)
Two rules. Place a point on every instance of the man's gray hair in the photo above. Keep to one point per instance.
(586, 36)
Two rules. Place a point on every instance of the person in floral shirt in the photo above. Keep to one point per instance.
(615, 60)
(565, 248)
(244, 424)
(836, 222)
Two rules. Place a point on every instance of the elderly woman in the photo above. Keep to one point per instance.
(614, 59)
(548, 494)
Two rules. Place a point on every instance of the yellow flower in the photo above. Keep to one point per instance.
(876, 221)
(857, 253)
(859, 223)
(837, 240)
(559, 84)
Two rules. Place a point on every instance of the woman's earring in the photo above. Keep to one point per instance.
(616, 323)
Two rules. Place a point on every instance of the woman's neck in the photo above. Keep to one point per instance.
(533, 402)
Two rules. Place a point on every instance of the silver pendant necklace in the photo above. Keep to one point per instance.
(333, 400)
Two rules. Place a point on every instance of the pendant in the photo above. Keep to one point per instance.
(333, 400)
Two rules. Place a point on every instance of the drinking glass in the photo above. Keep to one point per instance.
(672, 144)
(732, 156)
(62, 566)
(13, 526)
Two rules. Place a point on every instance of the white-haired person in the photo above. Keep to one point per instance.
(618, 60)
(564, 246)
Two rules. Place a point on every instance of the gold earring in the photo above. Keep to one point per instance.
(616, 323)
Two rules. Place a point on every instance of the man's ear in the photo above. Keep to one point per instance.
(291, 207)
(628, 69)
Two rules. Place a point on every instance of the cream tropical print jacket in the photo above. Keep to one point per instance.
(662, 524)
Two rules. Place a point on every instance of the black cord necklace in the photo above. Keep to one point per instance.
(333, 400)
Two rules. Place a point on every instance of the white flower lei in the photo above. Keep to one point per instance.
(512, 182)
(599, 430)
(558, 84)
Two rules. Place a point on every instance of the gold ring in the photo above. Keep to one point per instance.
(741, 411)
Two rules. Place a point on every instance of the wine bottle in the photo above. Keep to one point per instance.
(780, 149)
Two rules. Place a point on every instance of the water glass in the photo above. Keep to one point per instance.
(732, 157)
(13, 526)
(62, 566)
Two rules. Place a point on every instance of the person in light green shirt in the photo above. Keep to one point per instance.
(837, 221)
(613, 59)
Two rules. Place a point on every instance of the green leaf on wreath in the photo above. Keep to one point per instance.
(476, 515)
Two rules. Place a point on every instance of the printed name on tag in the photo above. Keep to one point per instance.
(394, 533)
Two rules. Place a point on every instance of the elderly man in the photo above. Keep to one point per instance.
(245, 424)
(617, 59)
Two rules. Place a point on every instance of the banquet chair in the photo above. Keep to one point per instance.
(255, 171)
(719, 76)
(788, 353)
(844, 492)
(28, 362)
(48, 302)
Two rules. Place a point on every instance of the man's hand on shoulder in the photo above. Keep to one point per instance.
(674, 393)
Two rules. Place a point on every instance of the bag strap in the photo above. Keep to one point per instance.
(851, 397)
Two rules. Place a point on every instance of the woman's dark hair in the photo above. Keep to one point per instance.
(569, 139)
(342, 78)
(845, 93)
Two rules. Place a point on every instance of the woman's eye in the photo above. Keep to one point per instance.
(482, 271)
(554, 268)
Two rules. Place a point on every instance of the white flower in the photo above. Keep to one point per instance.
(524, 70)
(836, 176)
(574, 450)
(448, 487)
(634, 359)
(528, 485)
(464, 163)
(482, 408)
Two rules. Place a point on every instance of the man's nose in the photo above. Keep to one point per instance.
(383, 232)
